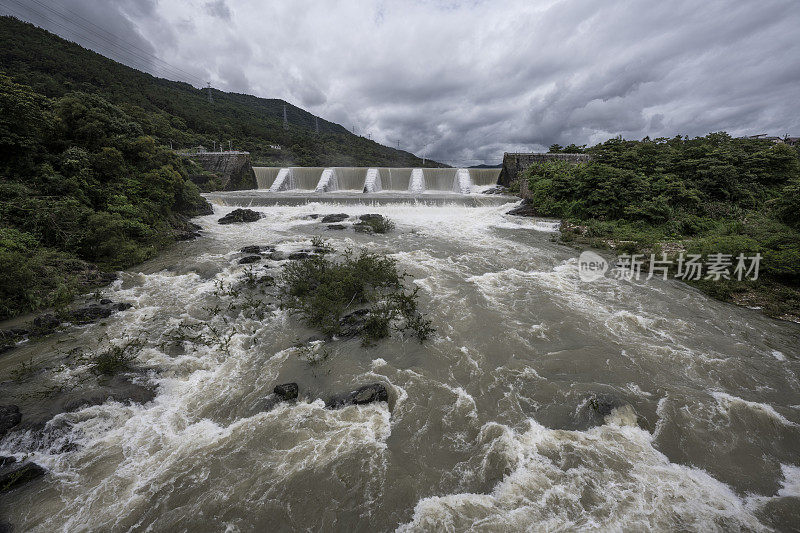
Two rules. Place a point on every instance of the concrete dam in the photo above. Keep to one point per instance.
(376, 179)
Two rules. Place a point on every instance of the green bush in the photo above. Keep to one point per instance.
(322, 291)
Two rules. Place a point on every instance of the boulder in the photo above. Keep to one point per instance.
(363, 227)
(339, 217)
(17, 474)
(286, 391)
(254, 249)
(122, 306)
(337, 226)
(106, 301)
(89, 314)
(281, 393)
(351, 325)
(524, 209)
(312, 216)
(46, 323)
(249, 259)
(9, 417)
(370, 216)
(496, 190)
(240, 216)
(375, 392)
(294, 256)
(277, 256)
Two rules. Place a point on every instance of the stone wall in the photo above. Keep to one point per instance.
(515, 164)
(234, 170)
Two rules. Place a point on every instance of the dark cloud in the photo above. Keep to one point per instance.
(218, 9)
(466, 81)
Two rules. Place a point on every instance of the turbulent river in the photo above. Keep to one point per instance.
(487, 426)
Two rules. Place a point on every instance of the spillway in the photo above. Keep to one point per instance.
(265, 176)
(375, 179)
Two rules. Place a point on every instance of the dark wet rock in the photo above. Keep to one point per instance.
(89, 314)
(240, 216)
(286, 391)
(277, 256)
(375, 392)
(5, 461)
(525, 209)
(9, 417)
(105, 301)
(312, 216)
(352, 324)
(17, 474)
(339, 217)
(254, 249)
(188, 231)
(363, 227)
(122, 306)
(249, 259)
(370, 216)
(337, 226)
(496, 190)
(46, 323)
(596, 408)
(294, 256)
(10, 337)
(5, 527)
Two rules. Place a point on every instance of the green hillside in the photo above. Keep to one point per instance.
(181, 113)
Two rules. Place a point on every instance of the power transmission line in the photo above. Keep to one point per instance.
(136, 59)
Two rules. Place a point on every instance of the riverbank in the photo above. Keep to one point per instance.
(773, 298)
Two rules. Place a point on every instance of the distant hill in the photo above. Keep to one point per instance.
(499, 165)
(180, 113)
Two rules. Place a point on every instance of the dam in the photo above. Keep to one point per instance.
(412, 181)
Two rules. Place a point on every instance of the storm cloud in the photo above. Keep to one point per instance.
(462, 82)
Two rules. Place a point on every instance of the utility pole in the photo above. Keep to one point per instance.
(398, 144)
(210, 98)
(316, 125)
(285, 118)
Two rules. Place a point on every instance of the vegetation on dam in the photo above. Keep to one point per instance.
(712, 194)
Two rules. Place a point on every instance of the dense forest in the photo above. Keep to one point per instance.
(88, 182)
(707, 195)
(178, 113)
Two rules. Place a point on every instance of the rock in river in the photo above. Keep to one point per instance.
(375, 392)
(13, 474)
(525, 209)
(249, 259)
(339, 217)
(240, 215)
(9, 417)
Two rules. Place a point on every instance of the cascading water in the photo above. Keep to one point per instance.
(265, 176)
(490, 425)
(417, 183)
(328, 181)
(462, 182)
(283, 181)
(373, 181)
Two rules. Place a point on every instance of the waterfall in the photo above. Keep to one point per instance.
(328, 181)
(265, 176)
(417, 183)
(373, 181)
(283, 181)
(462, 183)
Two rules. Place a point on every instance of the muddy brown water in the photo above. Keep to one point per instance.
(487, 427)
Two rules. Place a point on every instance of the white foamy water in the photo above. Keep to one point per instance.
(488, 427)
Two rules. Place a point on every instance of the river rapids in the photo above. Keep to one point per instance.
(489, 424)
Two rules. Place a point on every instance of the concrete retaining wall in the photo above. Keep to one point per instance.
(234, 169)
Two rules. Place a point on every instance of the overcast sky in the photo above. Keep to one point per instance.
(462, 82)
